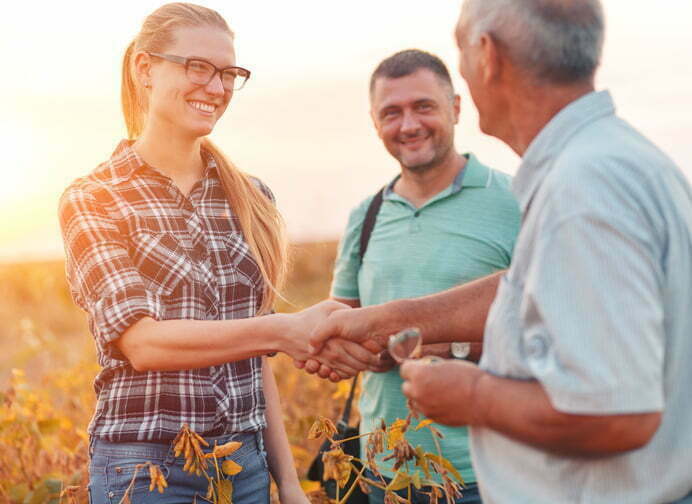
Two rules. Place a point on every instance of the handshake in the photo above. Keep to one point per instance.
(335, 341)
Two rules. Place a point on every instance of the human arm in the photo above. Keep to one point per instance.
(152, 345)
(126, 309)
(457, 314)
(519, 409)
(585, 320)
(279, 456)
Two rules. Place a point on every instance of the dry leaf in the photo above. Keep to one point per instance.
(224, 492)
(224, 449)
(423, 423)
(337, 466)
(400, 481)
(443, 462)
(396, 432)
(231, 468)
(322, 427)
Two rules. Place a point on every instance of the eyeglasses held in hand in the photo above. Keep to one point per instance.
(201, 72)
(405, 344)
(408, 344)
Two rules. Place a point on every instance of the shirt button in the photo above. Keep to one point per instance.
(537, 347)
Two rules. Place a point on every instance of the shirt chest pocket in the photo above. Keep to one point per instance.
(162, 262)
(502, 345)
(236, 265)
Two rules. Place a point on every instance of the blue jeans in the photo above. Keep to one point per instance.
(112, 467)
(376, 495)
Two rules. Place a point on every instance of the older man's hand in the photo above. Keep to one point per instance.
(370, 327)
(442, 390)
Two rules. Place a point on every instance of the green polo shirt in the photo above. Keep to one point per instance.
(464, 232)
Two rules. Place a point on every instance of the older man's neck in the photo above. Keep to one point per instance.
(533, 106)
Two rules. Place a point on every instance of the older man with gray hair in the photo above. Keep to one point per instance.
(582, 394)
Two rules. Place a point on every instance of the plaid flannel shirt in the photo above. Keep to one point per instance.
(137, 247)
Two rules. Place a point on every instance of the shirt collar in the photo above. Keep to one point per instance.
(551, 140)
(125, 162)
(474, 174)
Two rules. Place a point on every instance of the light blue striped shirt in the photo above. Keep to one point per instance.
(596, 306)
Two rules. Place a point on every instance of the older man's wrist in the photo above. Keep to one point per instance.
(480, 398)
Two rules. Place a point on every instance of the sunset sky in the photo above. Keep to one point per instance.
(302, 122)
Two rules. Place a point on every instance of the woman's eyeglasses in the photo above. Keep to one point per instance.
(201, 72)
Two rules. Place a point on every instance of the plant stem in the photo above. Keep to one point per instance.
(350, 490)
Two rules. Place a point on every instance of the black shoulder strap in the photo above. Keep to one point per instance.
(369, 222)
(343, 423)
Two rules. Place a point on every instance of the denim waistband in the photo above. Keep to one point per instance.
(146, 449)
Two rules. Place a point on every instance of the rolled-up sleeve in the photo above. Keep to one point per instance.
(347, 265)
(102, 277)
(593, 317)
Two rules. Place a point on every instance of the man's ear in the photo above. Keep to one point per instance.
(490, 58)
(457, 108)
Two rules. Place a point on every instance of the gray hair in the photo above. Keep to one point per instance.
(555, 41)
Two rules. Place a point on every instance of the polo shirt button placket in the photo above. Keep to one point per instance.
(414, 226)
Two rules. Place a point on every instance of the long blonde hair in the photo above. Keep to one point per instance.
(260, 221)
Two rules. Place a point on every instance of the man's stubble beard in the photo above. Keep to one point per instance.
(422, 168)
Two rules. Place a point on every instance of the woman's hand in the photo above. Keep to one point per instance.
(299, 326)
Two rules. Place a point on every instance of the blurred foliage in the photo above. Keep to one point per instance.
(47, 366)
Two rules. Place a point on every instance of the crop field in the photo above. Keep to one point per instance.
(47, 364)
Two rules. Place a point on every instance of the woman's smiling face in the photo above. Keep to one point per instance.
(179, 105)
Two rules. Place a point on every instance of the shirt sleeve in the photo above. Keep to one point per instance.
(345, 282)
(264, 188)
(592, 309)
(512, 218)
(102, 278)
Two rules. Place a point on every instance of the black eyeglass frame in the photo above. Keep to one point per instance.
(186, 63)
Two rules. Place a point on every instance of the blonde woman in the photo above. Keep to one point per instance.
(173, 252)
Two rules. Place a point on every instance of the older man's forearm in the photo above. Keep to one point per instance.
(522, 410)
(457, 314)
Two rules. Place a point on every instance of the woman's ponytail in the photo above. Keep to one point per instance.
(130, 97)
(260, 221)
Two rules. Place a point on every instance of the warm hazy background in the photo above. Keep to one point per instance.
(301, 124)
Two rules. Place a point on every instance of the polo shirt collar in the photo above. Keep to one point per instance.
(125, 162)
(474, 174)
(551, 140)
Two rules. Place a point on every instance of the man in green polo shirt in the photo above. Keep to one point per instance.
(446, 219)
